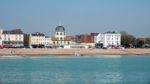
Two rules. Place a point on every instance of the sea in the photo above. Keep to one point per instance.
(100, 69)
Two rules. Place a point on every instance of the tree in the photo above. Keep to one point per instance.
(127, 40)
(139, 43)
(147, 40)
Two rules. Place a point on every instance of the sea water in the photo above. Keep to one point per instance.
(75, 70)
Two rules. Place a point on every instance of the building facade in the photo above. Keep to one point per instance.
(37, 40)
(109, 39)
(11, 38)
(85, 38)
(60, 39)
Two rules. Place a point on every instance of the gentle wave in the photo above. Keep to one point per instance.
(11, 56)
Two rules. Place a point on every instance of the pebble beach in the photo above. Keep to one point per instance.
(68, 52)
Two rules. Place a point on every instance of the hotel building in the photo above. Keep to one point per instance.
(108, 39)
(37, 40)
(11, 38)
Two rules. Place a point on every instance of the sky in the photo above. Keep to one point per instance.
(77, 16)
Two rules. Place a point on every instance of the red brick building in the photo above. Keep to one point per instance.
(87, 38)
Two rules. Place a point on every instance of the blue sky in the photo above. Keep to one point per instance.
(77, 16)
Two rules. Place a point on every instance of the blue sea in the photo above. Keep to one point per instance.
(103, 69)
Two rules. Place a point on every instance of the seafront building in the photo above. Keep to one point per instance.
(16, 38)
(11, 38)
(86, 40)
(108, 39)
(37, 40)
(60, 39)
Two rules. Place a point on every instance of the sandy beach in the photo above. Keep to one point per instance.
(61, 52)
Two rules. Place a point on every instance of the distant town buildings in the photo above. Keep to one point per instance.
(16, 38)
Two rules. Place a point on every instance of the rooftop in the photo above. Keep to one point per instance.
(59, 29)
(37, 34)
(110, 32)
(14, 31)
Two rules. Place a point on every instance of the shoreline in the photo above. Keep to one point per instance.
(70, 52)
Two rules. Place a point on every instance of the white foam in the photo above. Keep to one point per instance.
(108, 56)
(10, 56)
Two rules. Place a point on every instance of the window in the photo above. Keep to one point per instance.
(5, 37)
(60, 33)
(117, 42)
(9, 38)
(60, 38)
(16, 37)
(68, 42)
(57, 33)
(20, 38)
(108, 38)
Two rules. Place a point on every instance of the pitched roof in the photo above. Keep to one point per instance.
(14, 31)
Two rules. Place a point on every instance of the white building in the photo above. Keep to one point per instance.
(109, 39)
(60, 39)
(37, 40)
(11, 38)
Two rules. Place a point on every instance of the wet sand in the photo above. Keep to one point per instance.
(68, 52)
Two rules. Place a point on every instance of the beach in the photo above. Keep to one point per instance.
(68, 52)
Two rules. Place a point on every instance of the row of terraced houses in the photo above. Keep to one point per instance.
(17, 39)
